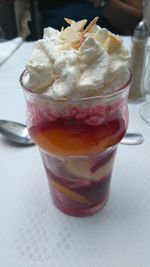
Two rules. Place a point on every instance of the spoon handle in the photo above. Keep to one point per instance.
(132, 139)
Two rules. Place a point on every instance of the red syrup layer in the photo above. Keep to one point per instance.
(72, 136)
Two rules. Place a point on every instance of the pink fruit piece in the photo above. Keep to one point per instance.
(101, 162)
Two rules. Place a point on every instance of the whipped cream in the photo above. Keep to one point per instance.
(69, 64)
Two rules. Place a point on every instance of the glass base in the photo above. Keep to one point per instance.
(79, 212)
(80, 185)
(145, 112)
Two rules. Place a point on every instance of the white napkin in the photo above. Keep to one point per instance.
(8, 48)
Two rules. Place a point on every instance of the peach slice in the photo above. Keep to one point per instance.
(66, 191)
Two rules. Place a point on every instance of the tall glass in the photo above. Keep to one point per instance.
(78, 140)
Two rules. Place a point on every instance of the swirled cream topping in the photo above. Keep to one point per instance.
(77, 62)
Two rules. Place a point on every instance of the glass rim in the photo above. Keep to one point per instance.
(83, 99)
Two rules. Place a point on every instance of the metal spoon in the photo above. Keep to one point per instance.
(18, 133)
(132, 139)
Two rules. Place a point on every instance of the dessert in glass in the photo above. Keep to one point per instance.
(76, 87)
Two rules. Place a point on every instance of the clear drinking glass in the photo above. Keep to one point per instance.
(77, 140)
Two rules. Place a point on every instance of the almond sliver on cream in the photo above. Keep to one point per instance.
(69, 21)
(77, 44)
(78, 26)
(74, 34)
(70, 35)
(92, 23)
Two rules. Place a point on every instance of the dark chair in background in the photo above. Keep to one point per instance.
(35, 25)
(9, 20)
(8, 24)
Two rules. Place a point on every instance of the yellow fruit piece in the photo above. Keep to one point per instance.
(112, 43)
(66, 191)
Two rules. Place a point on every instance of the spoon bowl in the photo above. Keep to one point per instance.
(18, 133)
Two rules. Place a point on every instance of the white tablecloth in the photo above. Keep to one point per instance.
(33, 233)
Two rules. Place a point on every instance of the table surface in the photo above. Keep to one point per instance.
(34, 233)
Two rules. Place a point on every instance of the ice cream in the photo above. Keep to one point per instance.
(76, 85)
(77, 62)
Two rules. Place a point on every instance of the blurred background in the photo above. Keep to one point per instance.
(20, 18)
(27, 18)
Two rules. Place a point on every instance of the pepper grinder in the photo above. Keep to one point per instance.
(138, 62)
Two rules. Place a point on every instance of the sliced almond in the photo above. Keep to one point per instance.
(69, 21)
(74, 34)
(78, 26)
(92, 23)
(62, 29)
(77, 44)
(70, 35)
